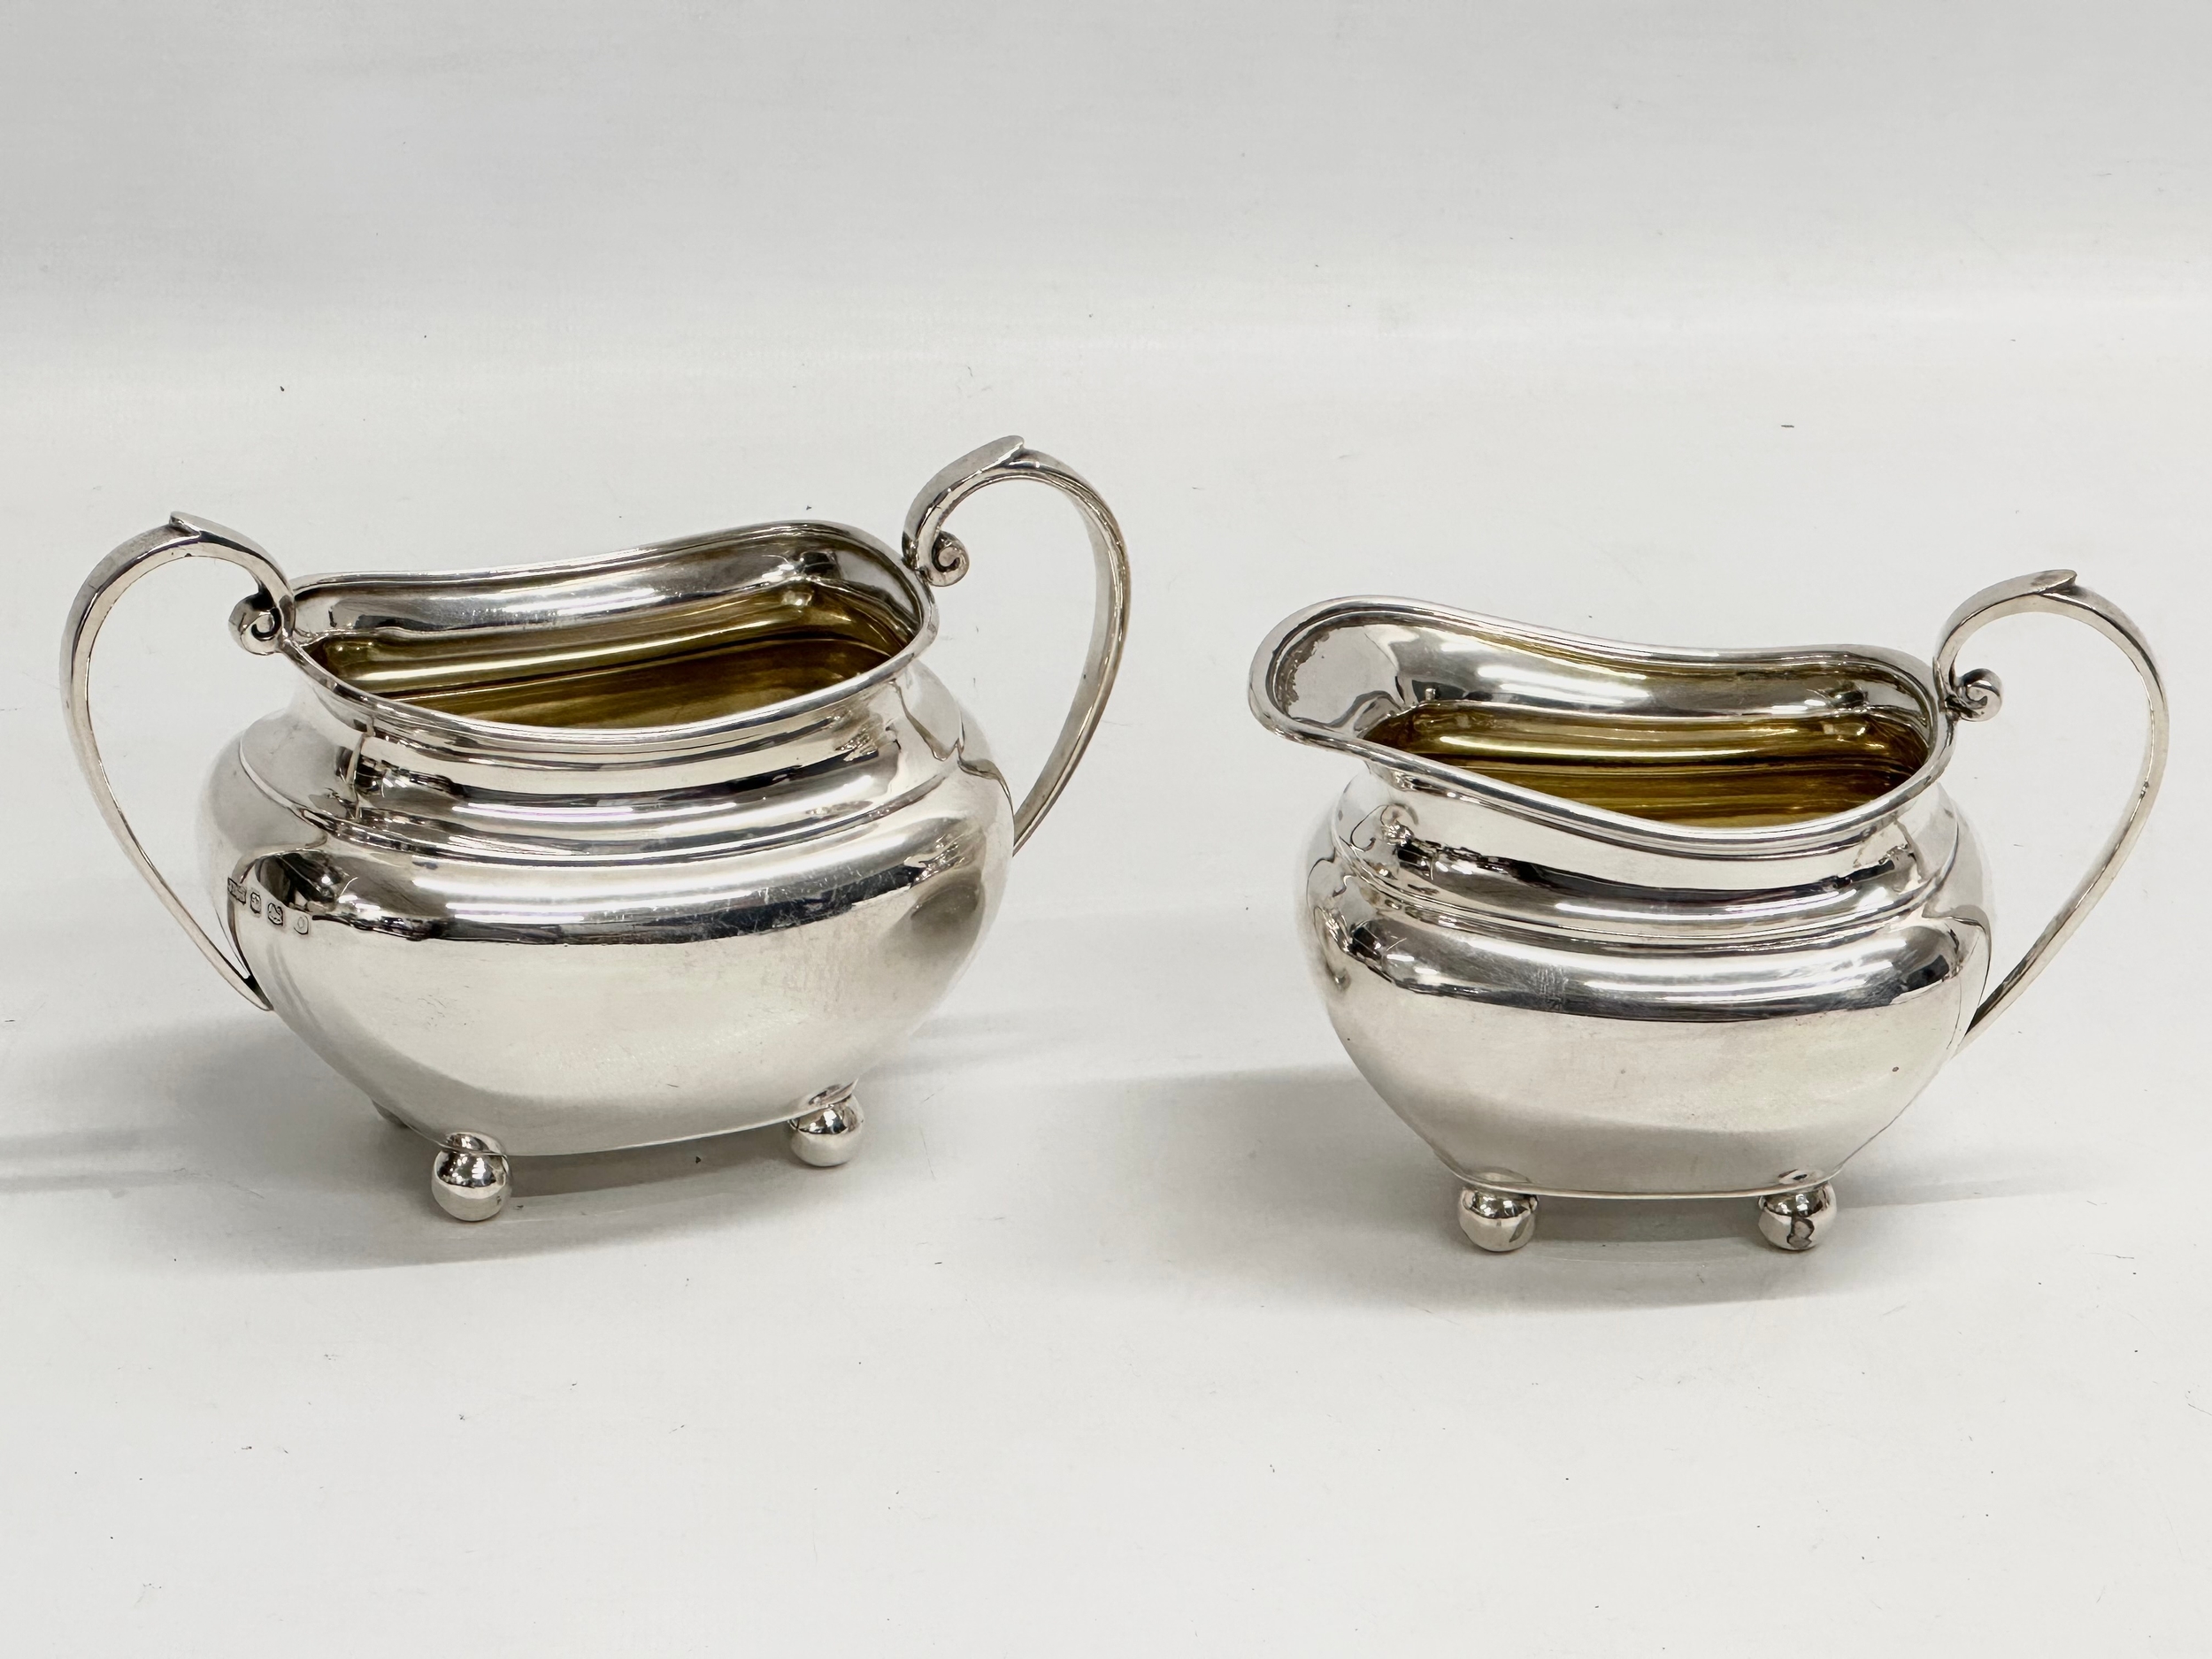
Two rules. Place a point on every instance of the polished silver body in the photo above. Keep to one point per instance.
(1567, 1000)
(523, 939)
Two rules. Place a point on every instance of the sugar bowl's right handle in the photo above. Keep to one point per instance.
(1976, 695)
(937, 557)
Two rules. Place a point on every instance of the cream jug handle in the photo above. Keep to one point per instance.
(937, 557)
(1976, 695)
(260, 620)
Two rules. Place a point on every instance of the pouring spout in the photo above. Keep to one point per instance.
(1334, 671)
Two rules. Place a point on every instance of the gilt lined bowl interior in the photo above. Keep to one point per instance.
(712, 628)
(1709, 771)
(1723, 740)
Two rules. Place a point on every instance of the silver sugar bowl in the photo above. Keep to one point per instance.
(576, 856)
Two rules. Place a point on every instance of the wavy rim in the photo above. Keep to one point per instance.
(393, 714)
(1813, 835)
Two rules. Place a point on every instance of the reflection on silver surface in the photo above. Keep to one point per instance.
(1610, 921)
(571, 857)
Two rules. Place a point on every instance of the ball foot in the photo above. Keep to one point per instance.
(828, 1132)
(469, 1178)
(1798, 1220)
(1495, 1220)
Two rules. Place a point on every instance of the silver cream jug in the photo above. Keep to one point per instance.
(577, 856)
(1612, 921)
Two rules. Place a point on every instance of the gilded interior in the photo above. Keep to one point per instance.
(701, 658)
(1708, 770)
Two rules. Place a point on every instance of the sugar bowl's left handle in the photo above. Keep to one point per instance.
(261, 620)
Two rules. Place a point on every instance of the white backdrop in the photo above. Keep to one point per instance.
(1140, 1324)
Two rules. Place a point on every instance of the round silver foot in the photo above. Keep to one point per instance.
(828, 1132)
(1496, 1221)
(469, 1178)
(391, 1116)
(1798, 1220)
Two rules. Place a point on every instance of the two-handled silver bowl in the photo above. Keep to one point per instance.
(578, 857)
